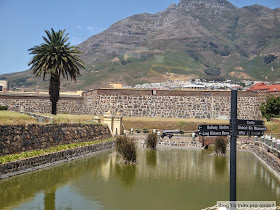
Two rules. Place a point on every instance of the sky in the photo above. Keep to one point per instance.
(22, 22)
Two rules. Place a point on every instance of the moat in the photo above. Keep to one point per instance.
(169, 178)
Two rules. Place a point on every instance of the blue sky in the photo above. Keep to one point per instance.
(22, 22)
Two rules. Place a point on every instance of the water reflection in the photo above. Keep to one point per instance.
(49, 200)
(127, 174)
(151, 158)
(164, 179)
(220, 165)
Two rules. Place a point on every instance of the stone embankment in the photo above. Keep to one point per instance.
(19, 138)
(270, 157)
(35, 163)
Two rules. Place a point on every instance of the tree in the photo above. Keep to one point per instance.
(55, 58)
(271, 108)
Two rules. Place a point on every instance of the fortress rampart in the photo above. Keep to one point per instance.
(144, 103)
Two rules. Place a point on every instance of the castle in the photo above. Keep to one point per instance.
(143, 103)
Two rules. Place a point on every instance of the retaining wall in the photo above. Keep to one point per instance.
(19, 138)
(269, 156)
(34, 163)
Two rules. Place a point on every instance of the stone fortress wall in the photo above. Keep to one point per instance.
(171, 104)
(41, 104)
(144, 103)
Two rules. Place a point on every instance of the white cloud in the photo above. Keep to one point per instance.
(79, 27)
(75, 40)
(90, 28)
(94, 30)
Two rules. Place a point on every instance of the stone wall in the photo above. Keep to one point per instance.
(41, 104)
(268, 155)
(172, 104)
(145, 103)
(34, 163)
(18, 138)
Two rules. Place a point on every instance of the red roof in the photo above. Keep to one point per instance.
(262, 86)
(258, 86)
(273, 88)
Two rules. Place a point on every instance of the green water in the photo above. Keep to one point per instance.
(162, 179)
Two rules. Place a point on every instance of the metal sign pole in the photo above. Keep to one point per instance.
(233, 146)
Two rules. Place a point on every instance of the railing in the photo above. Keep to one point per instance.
(269, 142)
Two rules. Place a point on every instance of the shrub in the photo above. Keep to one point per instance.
(3, 107)
(220, 145)
(271, 108)
(269, 59)
(126, 148)
(152, 141)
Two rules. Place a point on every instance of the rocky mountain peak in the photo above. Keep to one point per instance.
(210, 4)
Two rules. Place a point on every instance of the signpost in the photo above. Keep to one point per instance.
(214, 133)
(237, 127)
(250, 128)
(250, 122)
(226, 130)
(250, 133)
(233, 120)
(214, 127)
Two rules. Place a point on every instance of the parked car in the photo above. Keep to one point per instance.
(170, 133)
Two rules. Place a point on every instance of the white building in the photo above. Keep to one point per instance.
(195, 86)
(3, 85)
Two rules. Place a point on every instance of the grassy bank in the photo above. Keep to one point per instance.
(167, 123)
(14, 118)
(273, 128)
(35, 153)
(70, 118)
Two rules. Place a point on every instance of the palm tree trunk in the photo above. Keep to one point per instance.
(49, 200)
(54, 90)
(54, 108)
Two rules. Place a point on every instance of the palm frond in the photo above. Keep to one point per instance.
(55, 54)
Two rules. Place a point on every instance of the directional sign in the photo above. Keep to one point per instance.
(214, 133)
(250, 133)
(214, 127)
(214, 130)
(251, 128)
(249, 122)
(244, 128)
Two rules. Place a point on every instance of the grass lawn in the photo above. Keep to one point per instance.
(167, 123)
(273, 128)
(15, 118)
(69, 118)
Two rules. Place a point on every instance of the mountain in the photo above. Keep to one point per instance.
(195, 38)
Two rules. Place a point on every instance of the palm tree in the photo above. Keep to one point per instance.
(55, 58)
